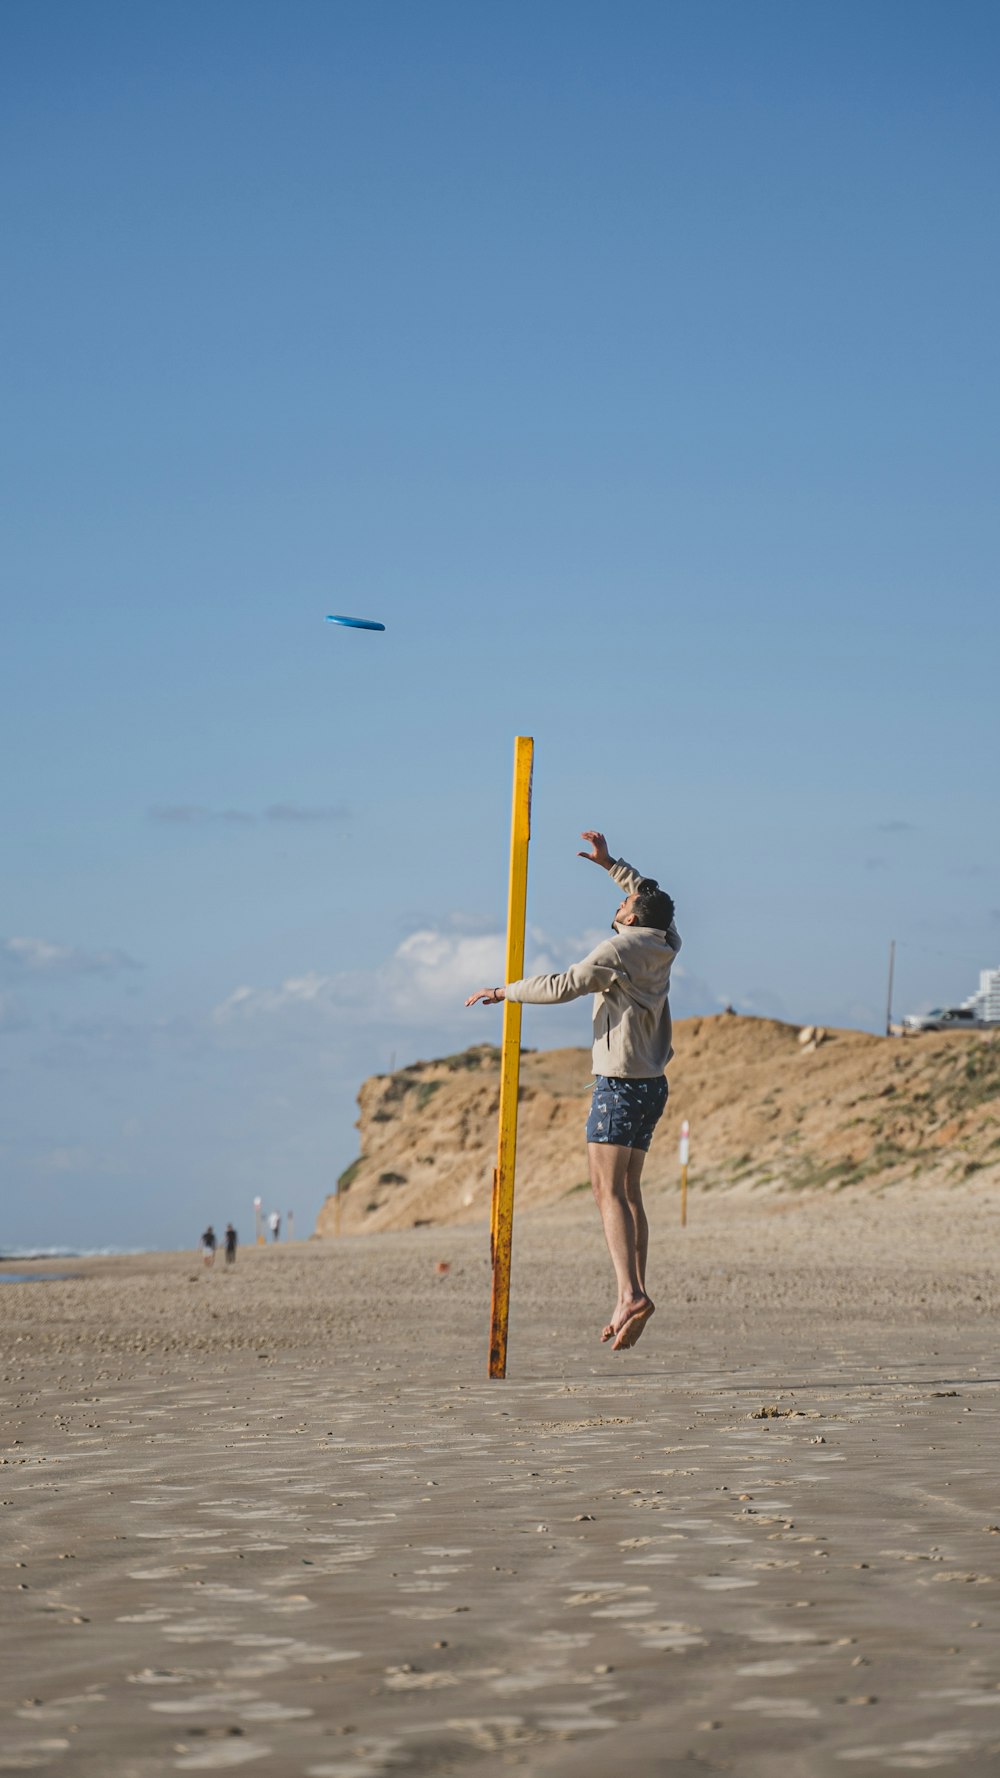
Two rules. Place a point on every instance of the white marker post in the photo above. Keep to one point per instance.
(256, 1221)
(685, 1150)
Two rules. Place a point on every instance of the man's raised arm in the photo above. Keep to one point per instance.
(620, 872)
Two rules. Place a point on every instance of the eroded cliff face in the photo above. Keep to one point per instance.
(770, 1106)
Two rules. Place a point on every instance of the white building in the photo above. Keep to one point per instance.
(986, 1002)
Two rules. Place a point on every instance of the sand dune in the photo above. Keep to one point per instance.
(767, 1112)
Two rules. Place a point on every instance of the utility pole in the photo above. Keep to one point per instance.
(888, 1002)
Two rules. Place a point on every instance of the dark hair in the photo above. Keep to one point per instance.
(653, 906)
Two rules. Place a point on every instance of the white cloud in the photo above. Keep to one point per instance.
(429, 975)
(433, 971)
(312, 992)
(23, 957)
(425, 982)
(426, 979)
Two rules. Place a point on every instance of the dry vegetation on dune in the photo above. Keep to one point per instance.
(767, 1110)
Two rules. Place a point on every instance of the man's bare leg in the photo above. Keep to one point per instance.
(636, 1158)
(634, 1195)
(623, 1230)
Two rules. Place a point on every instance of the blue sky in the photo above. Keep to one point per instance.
(637, 366)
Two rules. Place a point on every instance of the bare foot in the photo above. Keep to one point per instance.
(623, 1310)
(633, 1321)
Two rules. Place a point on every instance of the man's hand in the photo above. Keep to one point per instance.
(488, 996)
(598, 853)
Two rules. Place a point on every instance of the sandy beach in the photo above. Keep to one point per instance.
(277, 1517)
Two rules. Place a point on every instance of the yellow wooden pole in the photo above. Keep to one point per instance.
(685, 1150)
(502, 1209)
(493, 1220)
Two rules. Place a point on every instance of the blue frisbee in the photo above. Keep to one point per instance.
(356, 623)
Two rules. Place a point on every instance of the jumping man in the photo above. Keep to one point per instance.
(629, 977)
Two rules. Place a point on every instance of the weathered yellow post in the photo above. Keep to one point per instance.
(685, 1150)
(502, 1210)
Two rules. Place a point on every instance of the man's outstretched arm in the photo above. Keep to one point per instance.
(595, 974)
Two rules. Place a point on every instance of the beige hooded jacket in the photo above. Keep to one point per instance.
(629, 977)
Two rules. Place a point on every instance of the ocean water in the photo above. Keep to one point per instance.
(22, 1253)
(34, 1277)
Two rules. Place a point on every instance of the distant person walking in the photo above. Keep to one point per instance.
(209, 1245)
(274, 1224)
(629, 977)
(231, 1244)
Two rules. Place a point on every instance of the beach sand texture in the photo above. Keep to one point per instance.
(278, 1518)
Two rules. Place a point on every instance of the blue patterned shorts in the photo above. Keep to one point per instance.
(626, 1112)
